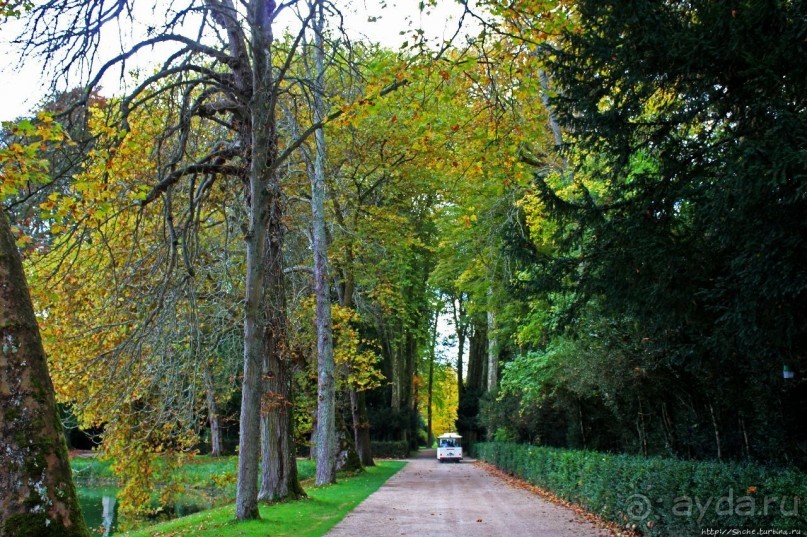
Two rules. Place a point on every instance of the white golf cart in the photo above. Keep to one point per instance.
(449, 447)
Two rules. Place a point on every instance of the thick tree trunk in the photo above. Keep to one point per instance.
(347, 459)
(410, 403)
(37, 495)
(361, 427)
(279, 473)
(279, 470)
(246, 503)
(397, 375)
(477, 355)
(262, 140)
(326, 390)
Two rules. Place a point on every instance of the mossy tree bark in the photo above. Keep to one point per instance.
(37, 495)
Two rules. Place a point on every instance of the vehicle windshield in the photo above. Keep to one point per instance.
(447, 442)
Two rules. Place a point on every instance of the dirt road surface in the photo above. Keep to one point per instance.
(427, 498)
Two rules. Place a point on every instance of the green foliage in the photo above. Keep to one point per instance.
(699, 223)
(660, 496)
(10, 9)
(390, 449)
(91, 469)
(665, 278)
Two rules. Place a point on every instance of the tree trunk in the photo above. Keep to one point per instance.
(397, 364)
(361, 427)
(37, 495)
(358, 401)
(410, 403)
(262, 139)
(347, 459)
(246, 503)
(461, 326)
(277, 409)
(717, 433)
(216, 448)
(493, 356)
(326, 392)
(746, 444)
(477, 355)
(429, 433)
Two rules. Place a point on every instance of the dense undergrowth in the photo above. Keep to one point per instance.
(661, 496)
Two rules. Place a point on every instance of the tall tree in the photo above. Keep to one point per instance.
(231, 82)
(37, 495)
(326, 385)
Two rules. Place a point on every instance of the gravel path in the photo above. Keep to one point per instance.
(427, 498)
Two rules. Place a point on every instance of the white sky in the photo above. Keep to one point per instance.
(23, 88)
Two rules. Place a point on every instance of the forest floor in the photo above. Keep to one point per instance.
(467, 499)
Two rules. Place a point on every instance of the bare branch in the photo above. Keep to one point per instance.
(319, 124)
(212, 163)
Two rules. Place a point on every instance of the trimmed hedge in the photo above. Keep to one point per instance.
(661, 496)
(389, 450)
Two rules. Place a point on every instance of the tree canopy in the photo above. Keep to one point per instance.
(601, 204)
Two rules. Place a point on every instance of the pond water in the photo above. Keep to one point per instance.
(100, 507)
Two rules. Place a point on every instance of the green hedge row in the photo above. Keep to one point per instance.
(389, 450)
(661, 496)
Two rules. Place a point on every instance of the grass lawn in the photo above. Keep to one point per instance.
(314, 516)
(91, 469)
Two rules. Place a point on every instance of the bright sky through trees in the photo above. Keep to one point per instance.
(23, 87)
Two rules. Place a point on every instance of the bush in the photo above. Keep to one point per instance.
(389, 450)
(660, 496)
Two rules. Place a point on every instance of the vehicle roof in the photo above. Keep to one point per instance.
(449, 435)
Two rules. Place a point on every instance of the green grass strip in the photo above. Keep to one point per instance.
(311, 517)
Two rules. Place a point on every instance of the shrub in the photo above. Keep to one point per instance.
(390, 450)
(660, 496)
